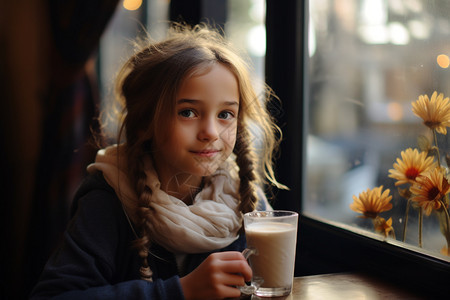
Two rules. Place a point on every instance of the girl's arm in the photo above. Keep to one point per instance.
(95, 260)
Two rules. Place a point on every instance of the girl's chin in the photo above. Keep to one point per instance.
(207, 171)
(206, 167)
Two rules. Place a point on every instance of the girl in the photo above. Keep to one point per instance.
(160, 215)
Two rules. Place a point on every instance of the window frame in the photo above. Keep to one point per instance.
(324, 246)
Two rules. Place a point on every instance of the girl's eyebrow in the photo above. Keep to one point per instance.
(231, 103)
(193, 101)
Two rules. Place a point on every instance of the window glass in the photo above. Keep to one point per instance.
(245, 27)
(369, 62)
(132, 19)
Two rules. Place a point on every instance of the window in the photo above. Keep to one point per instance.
(368, 62)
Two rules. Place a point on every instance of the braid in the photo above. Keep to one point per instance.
(144, 193)
(245, 160)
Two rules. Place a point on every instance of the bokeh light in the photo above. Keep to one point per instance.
(132, 4)
(443, 61)
(395, 111)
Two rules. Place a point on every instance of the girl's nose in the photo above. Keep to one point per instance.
(208, 130)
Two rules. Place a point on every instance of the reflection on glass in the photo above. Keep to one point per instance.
(369, 61)
(245, 28)
(117, 43)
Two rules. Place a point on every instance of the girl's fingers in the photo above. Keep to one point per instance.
(235, 263)
(229, 255)
(232, 279)
(237, 267)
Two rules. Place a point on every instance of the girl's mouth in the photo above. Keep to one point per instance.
(206, 153)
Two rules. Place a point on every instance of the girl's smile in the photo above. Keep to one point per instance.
(206, 152)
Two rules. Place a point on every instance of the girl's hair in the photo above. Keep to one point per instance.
(146, 88)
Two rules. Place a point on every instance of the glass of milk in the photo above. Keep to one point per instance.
(271, 244)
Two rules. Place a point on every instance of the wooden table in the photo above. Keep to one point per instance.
(346, 286)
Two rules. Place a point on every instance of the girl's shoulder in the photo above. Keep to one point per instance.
(94, 184)
(97, 216)
(93, 181)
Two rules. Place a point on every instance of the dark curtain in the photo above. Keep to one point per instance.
(70, 107)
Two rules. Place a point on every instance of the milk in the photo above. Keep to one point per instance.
(275, 243)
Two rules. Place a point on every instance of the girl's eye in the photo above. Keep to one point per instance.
(187, 113)
(226, 115)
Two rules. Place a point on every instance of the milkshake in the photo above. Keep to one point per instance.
(274, 238)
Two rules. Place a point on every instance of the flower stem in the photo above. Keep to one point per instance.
(437, 148)
(447, 217)
(408, 204)
(420, 226)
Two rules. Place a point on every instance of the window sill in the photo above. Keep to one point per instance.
(329, 247)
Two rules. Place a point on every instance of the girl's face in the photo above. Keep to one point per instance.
(202, 132)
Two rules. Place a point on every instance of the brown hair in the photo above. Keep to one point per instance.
(147, 86)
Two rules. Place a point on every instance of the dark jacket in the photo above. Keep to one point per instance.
(96, 260)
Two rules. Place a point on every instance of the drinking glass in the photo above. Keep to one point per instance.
(271, 244)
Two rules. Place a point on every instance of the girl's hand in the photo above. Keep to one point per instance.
(217, 277)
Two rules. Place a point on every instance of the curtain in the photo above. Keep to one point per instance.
(69, 109)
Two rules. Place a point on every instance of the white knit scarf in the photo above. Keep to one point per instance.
(211, 222)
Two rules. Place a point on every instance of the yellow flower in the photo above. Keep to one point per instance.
(429, 189)
(383, 226)
(371, 202)
(412, 164)
(435, 112)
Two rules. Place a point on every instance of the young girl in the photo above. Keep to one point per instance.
(160, 215)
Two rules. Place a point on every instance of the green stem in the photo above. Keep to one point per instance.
(408, 204)
(437, 148)
(420, 226)
(447, 217)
